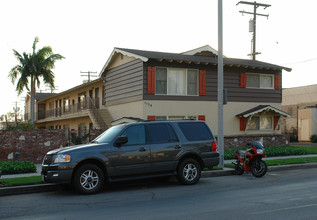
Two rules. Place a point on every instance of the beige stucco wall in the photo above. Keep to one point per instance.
(297, 95)
(118, 60)
(71, 123)
(142, 109)
(295, 99)
(132, 109)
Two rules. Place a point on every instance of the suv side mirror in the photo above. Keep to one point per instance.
(121, 140)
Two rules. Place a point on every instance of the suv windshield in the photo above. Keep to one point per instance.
(109, 134)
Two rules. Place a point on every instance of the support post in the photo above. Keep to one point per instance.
(220, 136)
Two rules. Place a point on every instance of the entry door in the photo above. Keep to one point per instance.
(97, 97)
(305, 131)
(134, 156)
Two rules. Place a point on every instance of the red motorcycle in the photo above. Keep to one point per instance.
(251, 160)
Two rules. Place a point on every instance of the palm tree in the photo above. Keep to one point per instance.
(31, 68)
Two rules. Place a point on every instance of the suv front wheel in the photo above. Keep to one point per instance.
(188, 171)
(89, 179)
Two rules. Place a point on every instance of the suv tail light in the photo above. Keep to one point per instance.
(214, 146)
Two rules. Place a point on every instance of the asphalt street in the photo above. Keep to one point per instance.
(290, 194)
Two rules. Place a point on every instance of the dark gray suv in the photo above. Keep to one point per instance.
(133, 151)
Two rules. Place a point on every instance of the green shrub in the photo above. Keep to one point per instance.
(17, 167)
(293, 138)
(313, 138)
(25, 126)
(271, 151)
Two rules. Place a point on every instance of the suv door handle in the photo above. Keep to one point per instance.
(177, 147)
(142, 149)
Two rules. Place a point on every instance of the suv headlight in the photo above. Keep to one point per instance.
(62, 158)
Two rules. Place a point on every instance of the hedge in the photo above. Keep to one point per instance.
(17, 167)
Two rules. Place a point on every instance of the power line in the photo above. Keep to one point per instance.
(89, 74)
(303, 61)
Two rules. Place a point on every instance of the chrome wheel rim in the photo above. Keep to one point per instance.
(89, 179)
(190, 172)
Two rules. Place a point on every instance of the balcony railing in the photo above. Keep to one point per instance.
(68, 110)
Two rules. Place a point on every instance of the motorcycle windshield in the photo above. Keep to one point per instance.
(258, 145)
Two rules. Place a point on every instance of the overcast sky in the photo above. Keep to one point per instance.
(85, 32)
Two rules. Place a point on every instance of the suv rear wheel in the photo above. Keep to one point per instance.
(188, 171)
(88, 179)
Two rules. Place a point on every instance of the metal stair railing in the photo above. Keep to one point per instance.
(97, 114)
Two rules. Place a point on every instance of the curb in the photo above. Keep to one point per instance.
(17, 190)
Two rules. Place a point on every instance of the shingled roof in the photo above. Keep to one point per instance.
(40, 96)
(183, 58)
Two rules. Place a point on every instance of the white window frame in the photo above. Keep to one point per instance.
(260, 118)
(186, 82)
(260, 87)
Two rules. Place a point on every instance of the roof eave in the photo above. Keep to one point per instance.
(117, 50)
(265, 109)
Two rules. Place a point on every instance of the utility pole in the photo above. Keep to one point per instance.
(16, 110)
(252, 27)
(220, 133)
(89, 74)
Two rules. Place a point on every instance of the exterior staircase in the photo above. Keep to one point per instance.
(100, 117)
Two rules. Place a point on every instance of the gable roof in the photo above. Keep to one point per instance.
(185, 58)
(201, 49)
(262, 108)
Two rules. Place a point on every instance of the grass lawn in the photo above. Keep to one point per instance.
(19, 181)
(288, 161)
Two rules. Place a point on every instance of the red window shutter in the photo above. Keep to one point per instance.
(276, 118)
(151, 117)
(202, 117)
(202, 82)
(277, 81)
(243, 124)
(243, 80)
(151, 80)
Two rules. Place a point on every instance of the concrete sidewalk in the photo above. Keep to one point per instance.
(205, 174)
(39, 168)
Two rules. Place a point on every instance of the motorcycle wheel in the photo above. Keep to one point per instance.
(260, 170)
(238, 169)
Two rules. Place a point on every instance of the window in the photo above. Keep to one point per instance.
(135, 134)
(175, 118)
(263, 81)
(195, 131)
(192, 82)
(260, 123)
(172, 81)
(162, 133)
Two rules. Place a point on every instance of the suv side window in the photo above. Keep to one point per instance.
(135, 134)
(162, 133)
(195, 131)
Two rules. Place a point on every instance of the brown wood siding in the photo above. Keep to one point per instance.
(124, 83)
(238, 94)
(231, 83)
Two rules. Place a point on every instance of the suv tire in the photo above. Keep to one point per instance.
(89, 179)
(188, 171)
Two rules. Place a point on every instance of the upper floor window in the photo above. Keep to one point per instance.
(172, 81)
(263, 81)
